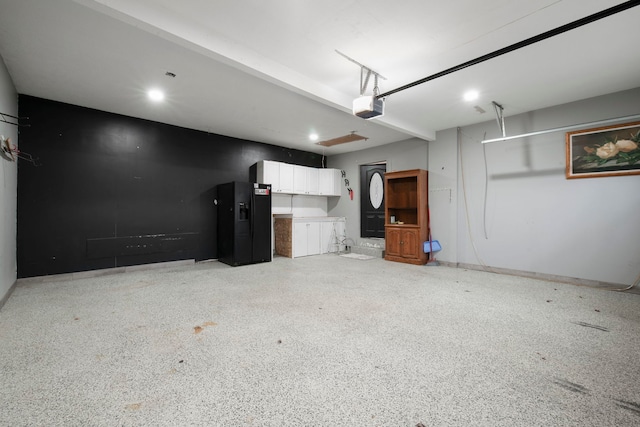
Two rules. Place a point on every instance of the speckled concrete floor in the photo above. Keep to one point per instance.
(318, 341)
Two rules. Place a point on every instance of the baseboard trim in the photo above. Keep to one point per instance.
(104, 272)
(533, 275)
(6, 296)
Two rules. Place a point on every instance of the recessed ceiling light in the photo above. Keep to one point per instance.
(313, 136)
(155, 95)
(471, 95)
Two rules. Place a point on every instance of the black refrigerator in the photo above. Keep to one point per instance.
(244, 223)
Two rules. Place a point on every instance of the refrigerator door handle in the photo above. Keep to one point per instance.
(252, 215)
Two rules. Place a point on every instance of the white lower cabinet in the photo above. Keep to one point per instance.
(314, 236)
(306, 238)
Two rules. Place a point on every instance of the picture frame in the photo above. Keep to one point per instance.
(603, 151)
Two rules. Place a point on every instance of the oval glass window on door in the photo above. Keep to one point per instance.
(376, 190)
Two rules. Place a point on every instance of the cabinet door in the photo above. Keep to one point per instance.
(313, 238)
(409, 244)
(312, 181)
(300, 239)
(306, 238)
(286, 178)
(393, 244)
(269, 173)
(329, 182)
(300, 179)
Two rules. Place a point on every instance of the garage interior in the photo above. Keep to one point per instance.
(114, 308)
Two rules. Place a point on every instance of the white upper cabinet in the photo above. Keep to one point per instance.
(269, 173)
(279, 175)
(329, 182)
(313, 236)
(295, 179)
(300, 179)
(305, 180)
(312, 181)
(287, 180)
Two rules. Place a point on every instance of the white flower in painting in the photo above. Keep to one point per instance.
(607, 151)
(626, 145)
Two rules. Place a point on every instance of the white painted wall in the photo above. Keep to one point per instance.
(409, 154)
(298, 205)
(537, 220)
(443, 194)
(8, 187)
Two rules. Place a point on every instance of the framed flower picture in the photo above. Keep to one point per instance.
(604, 151)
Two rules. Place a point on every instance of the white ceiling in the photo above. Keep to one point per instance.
(268, 71)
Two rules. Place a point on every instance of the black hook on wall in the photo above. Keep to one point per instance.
(15, 121)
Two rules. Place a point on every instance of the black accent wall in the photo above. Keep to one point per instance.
(116, 191)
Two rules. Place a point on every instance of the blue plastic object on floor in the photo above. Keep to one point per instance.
(432, 246)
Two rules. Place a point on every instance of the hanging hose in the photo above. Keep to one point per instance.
(635, 283)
